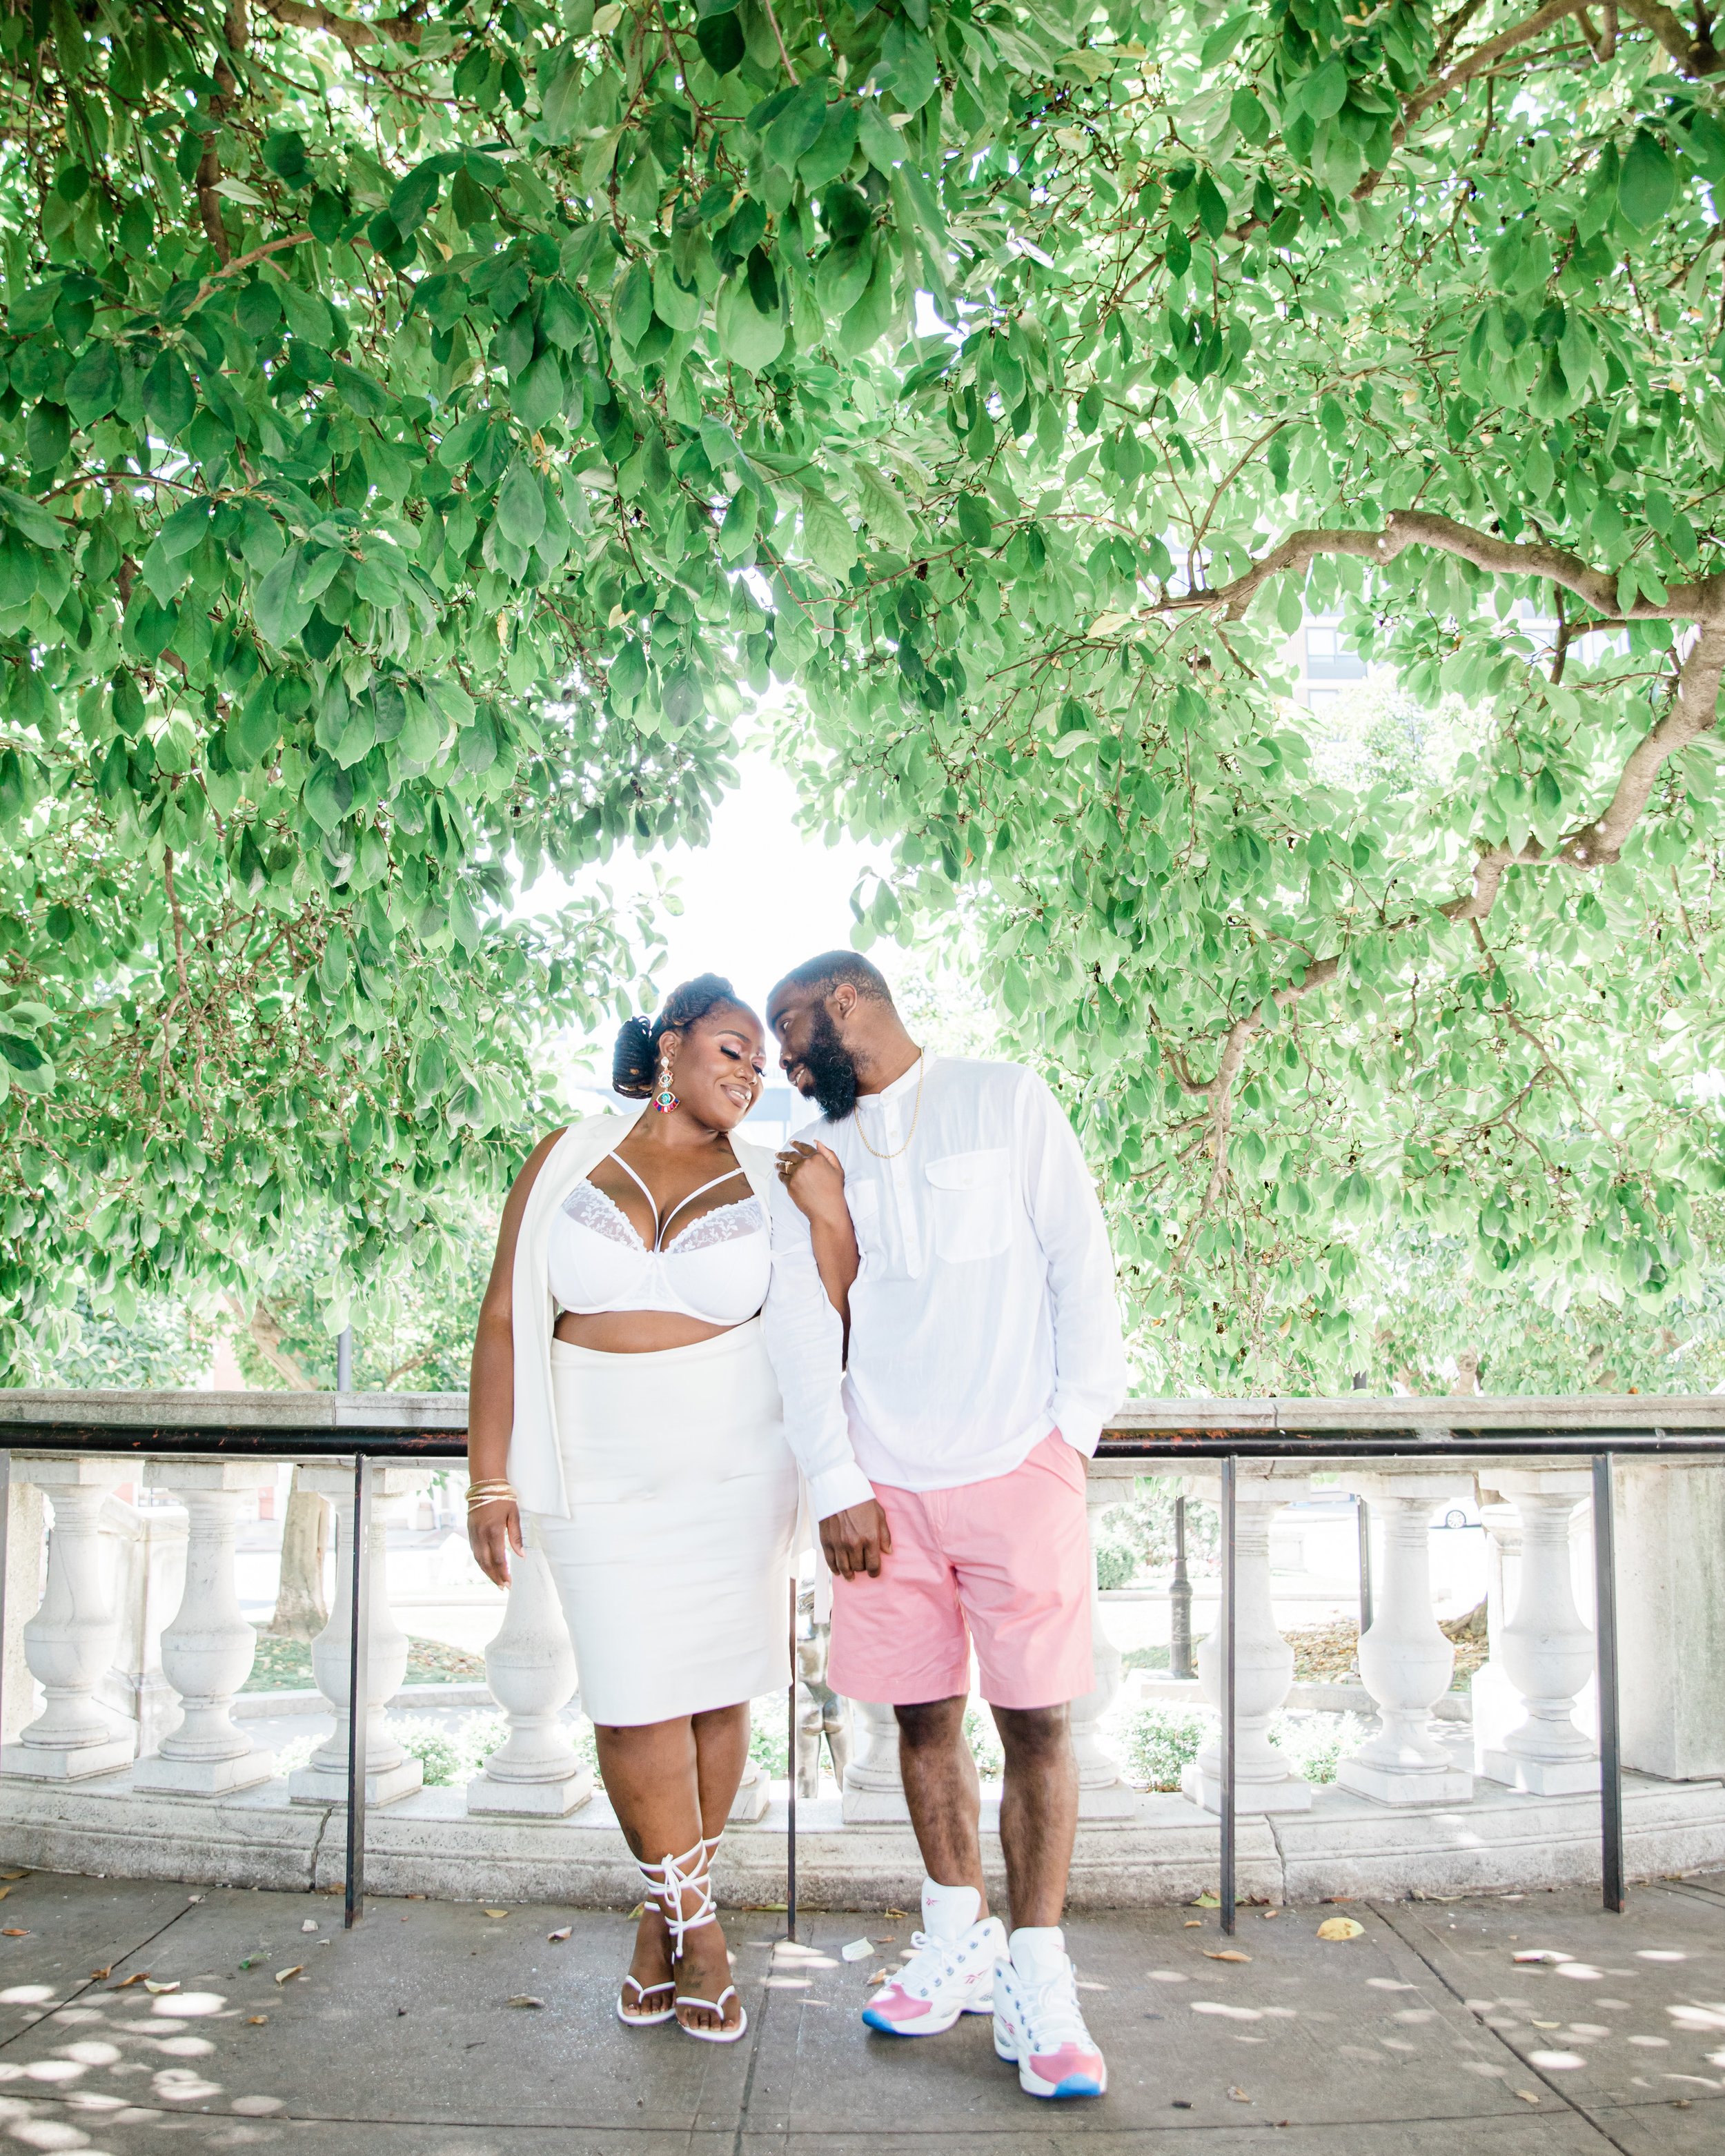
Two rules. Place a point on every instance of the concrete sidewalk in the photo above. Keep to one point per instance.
(1422, 2038)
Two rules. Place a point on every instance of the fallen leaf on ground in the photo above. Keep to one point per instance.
(138, 1976)
(15, 1874)
(1267, 1914)
(857, 1950)
(496, 1912)
(1341, 1927)
(1224, 1953)
(1541, 1954)
(558, 1938)
(171, 1985)
(525, 1999)
(1239, 2096)
(1205, 1902)
(255, 2020)
(1194, 1923)
(99, 1975)
(894, 1915)
(4, 1891)
(878, 1977)
(250, 1961)
(1527, 2096)
(283, 1974)
(14, 1931)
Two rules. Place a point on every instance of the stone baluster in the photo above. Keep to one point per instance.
(1547, 1649)
(1263, 1660)
(873, 1788)
(1103, 1792)
(1404, 1660)
(1496, 1704)
(69, 1641)
(390, 1771)
(208, 1649)
(530, 1669)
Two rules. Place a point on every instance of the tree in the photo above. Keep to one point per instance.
(1416, 320)
(424, 433)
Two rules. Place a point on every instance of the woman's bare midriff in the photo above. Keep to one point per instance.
(634, 1331)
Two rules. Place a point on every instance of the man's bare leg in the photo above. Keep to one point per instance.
(1039, 1810)
(943, 1792)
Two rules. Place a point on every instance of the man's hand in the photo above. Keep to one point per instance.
(856, 1539)
(492, 1533)
(815, 1176)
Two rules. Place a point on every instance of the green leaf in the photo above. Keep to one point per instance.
(797, 126)
(908, 62)
(169, 398)
(278, 608)
(1648, 181)
(521, 506)
(747, 337)
(883, 511)
(93, 386)
(1324, 92)
(828, 536)
(1219, 45)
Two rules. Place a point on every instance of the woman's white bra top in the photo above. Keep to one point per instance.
(717, 1270)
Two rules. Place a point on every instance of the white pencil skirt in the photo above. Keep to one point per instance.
(674, 1567)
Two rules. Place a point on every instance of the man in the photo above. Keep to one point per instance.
(984, 1353)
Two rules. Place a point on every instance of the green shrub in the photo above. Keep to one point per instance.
(1159, 1743)
(1116, 1565)
(1317, 1743)
(984, 1743)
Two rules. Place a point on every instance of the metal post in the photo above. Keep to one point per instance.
(1362, 1519)
(358, 1688)
(790, 1841)
(5, 1540)
(344, 1359)
(1230, 1467)
(1605, 1647)
(1179, 1602)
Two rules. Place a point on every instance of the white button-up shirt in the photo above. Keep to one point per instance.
(985, 1312)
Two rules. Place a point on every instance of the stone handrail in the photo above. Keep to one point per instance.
(190, 1795)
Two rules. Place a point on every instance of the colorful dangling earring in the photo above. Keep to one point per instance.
(664, 1100)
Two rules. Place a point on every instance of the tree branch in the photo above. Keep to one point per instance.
(1701, 601)
(1481, 59)
(1696, 56)
(266, 1336)
(351, 34)
(1694, 711)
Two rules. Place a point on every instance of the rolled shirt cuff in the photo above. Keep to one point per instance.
(838, 1488)
(1079, 1422)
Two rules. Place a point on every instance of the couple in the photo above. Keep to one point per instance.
(915, 1305)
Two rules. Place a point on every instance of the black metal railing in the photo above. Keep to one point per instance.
(1164, 1436)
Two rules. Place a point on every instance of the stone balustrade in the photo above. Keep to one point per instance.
(178, 1787)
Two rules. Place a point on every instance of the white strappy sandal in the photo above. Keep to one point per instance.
(669, 1882)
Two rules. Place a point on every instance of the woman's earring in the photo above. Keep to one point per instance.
(664, 1100)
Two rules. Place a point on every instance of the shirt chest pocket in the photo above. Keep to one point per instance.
(970, 1201)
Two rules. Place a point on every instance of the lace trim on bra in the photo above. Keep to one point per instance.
(595, 1209)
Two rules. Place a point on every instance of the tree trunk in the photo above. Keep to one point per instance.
(301, 1611)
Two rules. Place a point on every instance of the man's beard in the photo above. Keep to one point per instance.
(831, 1069)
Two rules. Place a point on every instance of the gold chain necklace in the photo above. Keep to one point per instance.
(921, 1073)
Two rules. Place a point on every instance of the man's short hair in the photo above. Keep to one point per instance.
(826, 972)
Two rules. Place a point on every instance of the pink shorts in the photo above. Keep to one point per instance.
(1005, 1563)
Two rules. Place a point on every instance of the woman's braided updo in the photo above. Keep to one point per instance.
(635, 1061)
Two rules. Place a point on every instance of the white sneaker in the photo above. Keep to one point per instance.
(1038, 2029)
(942, 1979)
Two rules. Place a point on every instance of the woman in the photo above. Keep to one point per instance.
(624, 1413)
